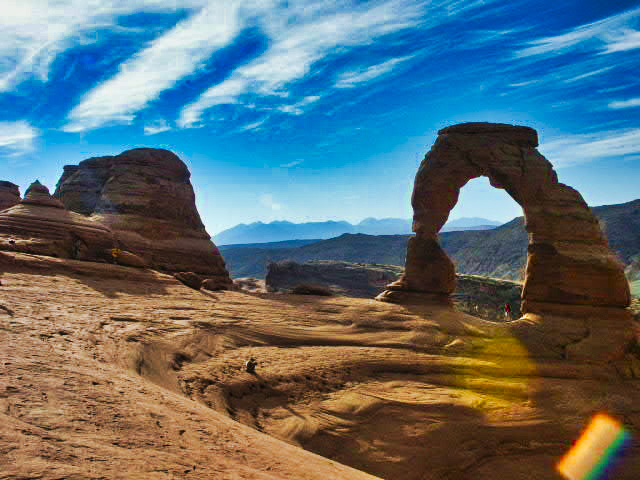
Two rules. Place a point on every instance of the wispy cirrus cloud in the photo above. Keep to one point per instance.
(157, 67)
(523, 84)
(34, 32)
(612, 34)
(157, 126)
(292, 164)
(632, 102)
(581, 148)
(253, 126)
(302, 37)
(582, 76)
(16, 138)
(298, 107)
(354, 78)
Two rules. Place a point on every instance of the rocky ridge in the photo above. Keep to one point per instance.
(499, 253)
(9, 194)
(145, 197)
(41, 225)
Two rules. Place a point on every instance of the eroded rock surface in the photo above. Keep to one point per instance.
(569, 261)
(40, 224)
(127, 370)
(145, 196)
(9, 194)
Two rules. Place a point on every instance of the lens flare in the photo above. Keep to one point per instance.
(594, 454)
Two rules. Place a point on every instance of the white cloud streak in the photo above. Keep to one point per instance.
(298, 107)
(355, 78)
(253, 126)
(576, 149)
(296, 47)
(300, 34)
(16, 138)
(632, 102)
(158, 126)
(623, 40)
(523, 84)
(292, 164)
(34, 32)
(612, 34)
(587, 75)
(158, 67)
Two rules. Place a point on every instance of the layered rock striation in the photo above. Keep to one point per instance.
(145, 197)
(9, 194)
(569, 261)
(41, 225)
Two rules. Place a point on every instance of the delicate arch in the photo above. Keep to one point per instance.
(569, 261)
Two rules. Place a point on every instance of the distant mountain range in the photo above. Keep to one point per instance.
(500, 252)
(280, 231)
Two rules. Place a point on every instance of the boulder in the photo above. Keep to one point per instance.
(145, 197)
(131, 260)
(217, 283)
(41, 225)
(190, 279)
(9, 195)
(569, 261)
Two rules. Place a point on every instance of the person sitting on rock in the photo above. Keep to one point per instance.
(250, 366)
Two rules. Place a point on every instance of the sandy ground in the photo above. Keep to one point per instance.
(112, 372)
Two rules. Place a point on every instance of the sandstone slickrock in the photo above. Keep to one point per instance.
(153, 379)
(41, 225)
(311, 289)
(9, 194)
(569, 261)
(145, 197)
(217, 283)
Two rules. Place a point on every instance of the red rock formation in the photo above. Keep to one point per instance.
(145, 196)
(569, 261)
(9, 195)
(39, 224)
(190, 279)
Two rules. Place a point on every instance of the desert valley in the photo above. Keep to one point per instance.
(124, 337)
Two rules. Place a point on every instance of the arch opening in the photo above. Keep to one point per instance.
(489, 256)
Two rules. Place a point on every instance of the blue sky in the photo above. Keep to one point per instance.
(315, 110)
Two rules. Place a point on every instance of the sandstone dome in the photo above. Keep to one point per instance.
(41, 225)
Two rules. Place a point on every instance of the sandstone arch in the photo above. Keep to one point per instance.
(569, 261)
